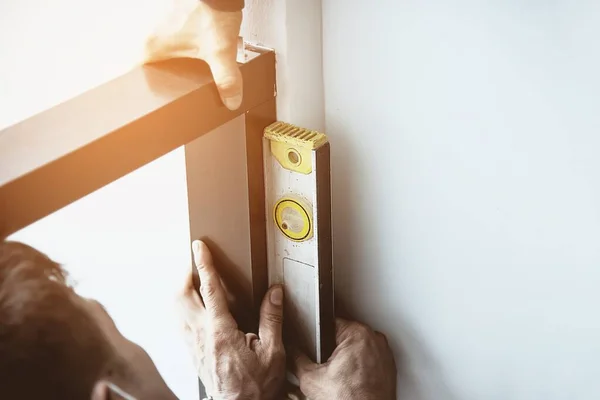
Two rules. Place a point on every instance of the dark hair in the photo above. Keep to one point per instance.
(50, 347)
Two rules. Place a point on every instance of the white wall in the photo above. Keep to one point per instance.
(467, 190)
(128, 244)
(293, 29)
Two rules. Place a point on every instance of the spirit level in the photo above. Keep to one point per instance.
(298, 201)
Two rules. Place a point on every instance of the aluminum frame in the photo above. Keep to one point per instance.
(58, 156)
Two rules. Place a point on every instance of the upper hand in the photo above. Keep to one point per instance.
(231, 364)
(361, 367)
(195, 30)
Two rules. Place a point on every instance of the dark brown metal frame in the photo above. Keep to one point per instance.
(65, 153)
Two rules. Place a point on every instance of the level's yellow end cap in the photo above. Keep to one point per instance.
(295, 136)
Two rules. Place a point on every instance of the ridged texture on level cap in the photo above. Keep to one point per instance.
(295, 136)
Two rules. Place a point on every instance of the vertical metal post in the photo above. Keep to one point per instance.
(226, 198)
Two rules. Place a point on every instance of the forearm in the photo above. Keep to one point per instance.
(225, 5)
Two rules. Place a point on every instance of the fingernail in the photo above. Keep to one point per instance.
(196, 246)
(233, 103)
(277, 296)
(196, 251)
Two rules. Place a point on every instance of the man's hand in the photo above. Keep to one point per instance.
(231, 364)
(195, 30)
(362, 367)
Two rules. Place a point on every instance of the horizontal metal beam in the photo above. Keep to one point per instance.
(60, 155)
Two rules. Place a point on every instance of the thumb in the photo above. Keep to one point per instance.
(271, 317)
(228, 78)
(302, 367)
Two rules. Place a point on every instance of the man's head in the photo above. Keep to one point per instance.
(56, 344)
